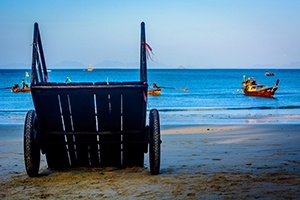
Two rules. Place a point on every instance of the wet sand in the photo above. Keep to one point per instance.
(197, 162)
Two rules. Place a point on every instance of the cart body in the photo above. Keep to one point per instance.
(89, 124)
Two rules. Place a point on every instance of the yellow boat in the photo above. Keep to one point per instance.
(251, 88)
(154, 92)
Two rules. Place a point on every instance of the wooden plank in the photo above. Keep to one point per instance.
(109, 119)
(83, 116)
(134, 110)
(65, 108)
(49, 119)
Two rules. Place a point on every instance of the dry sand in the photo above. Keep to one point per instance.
(198, 162)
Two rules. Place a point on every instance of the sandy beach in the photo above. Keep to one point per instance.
(197, 162)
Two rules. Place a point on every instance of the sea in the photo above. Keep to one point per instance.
(190, 96)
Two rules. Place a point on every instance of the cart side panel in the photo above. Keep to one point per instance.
(47, 108)
(109, 119)
(134, 115)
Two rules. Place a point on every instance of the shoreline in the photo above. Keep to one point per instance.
(190, 119)
(197, 161)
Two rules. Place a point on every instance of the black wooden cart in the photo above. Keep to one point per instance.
(89, 124)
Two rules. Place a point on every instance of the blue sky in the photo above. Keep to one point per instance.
(227, 33)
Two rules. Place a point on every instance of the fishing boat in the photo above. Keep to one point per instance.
(21, 90)
(155, 92)
(157, 89)
(251, 88)
(269, 74)
(16, 88)
(90, 68)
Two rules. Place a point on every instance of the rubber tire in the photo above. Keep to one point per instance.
(32, 153)
(154, 138)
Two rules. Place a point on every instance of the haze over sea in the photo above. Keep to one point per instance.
(214, 95)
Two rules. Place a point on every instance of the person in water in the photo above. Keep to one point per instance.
(267, 73)
(68, 80)
(155, 86)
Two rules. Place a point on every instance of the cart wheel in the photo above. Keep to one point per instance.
(154, 147)
(31, 146)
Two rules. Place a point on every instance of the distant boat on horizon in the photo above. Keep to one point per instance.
(90, 68)
(269, 74)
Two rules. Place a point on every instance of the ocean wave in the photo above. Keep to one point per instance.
(185, 109)
(13, 110)
(229, 108)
